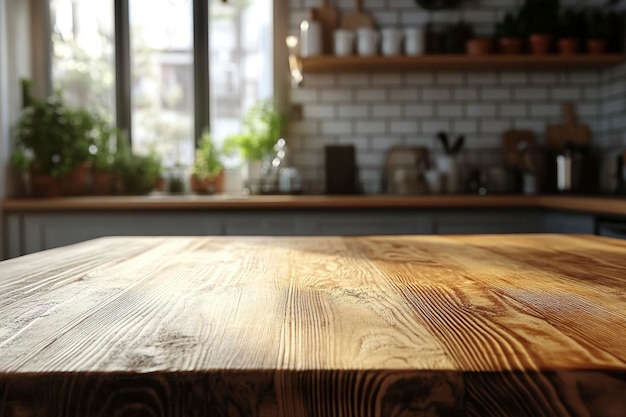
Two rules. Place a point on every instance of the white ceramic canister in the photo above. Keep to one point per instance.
(414, 41)
(343, 42)
(310, 38)
(391, 41)
(367, 41)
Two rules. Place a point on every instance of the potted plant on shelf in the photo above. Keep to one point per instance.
(540, 18)
(510, 34)
(103, 157)
(207, 175)
(261, 128)
(571, 29)
(137, 173)
(605, 30)
(42, 142)
(76, 155)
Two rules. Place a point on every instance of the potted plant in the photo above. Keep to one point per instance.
(571, 29)
(103, 157)
(605, 30)
(207, 176)
(261, 128)
(137, 173)
(510, 34)
(540, 18)
(76, 155)
(42, 142)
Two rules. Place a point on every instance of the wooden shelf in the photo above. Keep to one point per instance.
(329, 63)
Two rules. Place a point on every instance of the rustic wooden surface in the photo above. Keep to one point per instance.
(525, 325)
(379, 63)
(609, 205)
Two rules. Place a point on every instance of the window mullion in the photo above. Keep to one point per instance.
(122, 68)
(201, 66)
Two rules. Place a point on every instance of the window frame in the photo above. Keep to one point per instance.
(42, 60)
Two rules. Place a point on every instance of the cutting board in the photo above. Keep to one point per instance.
(328, 17)
(358, 18)
(513, 141)
(558, 135)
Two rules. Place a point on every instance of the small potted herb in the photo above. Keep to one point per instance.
(540, 18)
(207, 175)
(510, 33)
(261, 128)
(571, 29)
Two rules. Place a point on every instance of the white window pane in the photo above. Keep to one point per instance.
(83, 59)
(240, 59)
(161, 37)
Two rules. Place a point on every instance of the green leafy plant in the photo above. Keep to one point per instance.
(539, 16)
(207, 163)
(138, 173)
(52, 137)
(510, 27)
(572, 23)
(262, 126)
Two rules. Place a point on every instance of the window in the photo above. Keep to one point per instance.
(162, 59)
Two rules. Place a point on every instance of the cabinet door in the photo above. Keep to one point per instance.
(488, 222)
(53, 230)
(563, 222)
(364, 223)
(259, 224)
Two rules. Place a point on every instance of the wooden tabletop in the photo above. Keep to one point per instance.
(593, 204)
(524, 325)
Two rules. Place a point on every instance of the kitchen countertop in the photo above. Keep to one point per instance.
(524, 325)
(607, 205)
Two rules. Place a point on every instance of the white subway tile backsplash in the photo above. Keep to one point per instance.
(336, 128)
(495, 94)
(465, 94)
(376, 110)
(530, 93)
(349, 111)
(545, 110)
(408, 93)
(513, 78)
(494, 126)
(419, 110)
(449, 110)
(303, 95)
(448, 78)
(566, 93)
(434, 94)
(432, 127)
(481, 110)
(319, 111)
(403, 127)
(366, 127)
(468, 127)
(341, 95)
(513, 110)
(386, 110)
(388, 79)
(420, 79)
(371, 94)
(350, 79)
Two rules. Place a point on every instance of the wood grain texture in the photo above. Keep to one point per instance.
(609, 205)
(334, 64)
(524, 325)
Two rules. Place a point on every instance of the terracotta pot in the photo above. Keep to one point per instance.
(44, 185)
(212, 185)
(77, 181)
(568, 46)
(478, 46)
(102, 182)
(511, 46)
(596, 46)
(540, 44)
